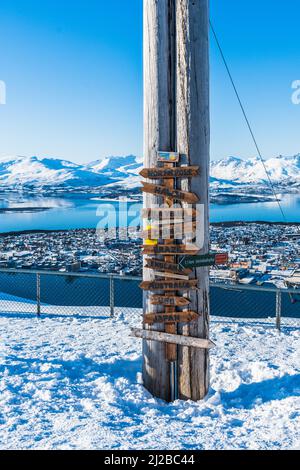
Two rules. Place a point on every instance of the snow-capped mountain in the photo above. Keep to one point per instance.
(236, 170)
(34, 171)
(124, 170)
(115, 166)
(230, 172)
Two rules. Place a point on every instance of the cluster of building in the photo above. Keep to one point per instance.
(83, 250)
(259, 253)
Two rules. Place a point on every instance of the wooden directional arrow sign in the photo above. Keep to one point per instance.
(155, 235)
(171, 301)
(191, 198)
(169, 285)
(177, 232)
(211, 259)
(162, 337)
(165, 266)
(172, 317)
(182, 277)
(170, 249)
(172, 213)
(168, 157)
(166, 173)
(171, 222)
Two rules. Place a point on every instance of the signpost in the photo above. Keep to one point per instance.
(176, 110)
(171, 222)
(171, 317)
(174, 224)
(167, 267)
(175, 232)
(158, 336)
(170, 249)
(171, 301)
(191, 198)
(169, 285)
(168, 173)
(211, 259)
(170, 213)
(171, 275)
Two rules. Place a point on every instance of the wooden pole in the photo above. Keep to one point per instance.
(176, 117)
(193, 140)
(159, 135)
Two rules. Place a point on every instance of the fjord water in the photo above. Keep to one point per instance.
(79, 211)
(86, 212)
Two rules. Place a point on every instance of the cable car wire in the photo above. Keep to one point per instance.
(247, 120)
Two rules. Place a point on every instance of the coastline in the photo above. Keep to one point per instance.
(213, 224)
(5, 210)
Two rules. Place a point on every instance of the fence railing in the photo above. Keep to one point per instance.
(52, 292)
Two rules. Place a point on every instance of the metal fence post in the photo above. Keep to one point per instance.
(38, 294)
(278, 309)
(112, 296)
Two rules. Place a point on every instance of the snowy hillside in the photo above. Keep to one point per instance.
(24, 171)
(124, 171)
(116, 165)
(73, 382)
(236, 170)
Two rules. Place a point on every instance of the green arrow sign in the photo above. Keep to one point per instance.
(210, 259)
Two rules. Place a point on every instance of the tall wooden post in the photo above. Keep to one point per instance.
(193, 140)
(159, 134)
(176, 117)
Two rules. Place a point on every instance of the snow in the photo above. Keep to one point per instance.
(73, 381)
(113, 163)
(37, 171)
(230, 172)
(234, 169)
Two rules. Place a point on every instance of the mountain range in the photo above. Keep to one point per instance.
(229, 172)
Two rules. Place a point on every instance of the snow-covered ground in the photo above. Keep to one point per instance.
(74, 382)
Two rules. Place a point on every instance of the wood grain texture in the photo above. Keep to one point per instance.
(174, 232)
(171, 318)
(169, 213)
(159, 135)
(193, 140)
(169, 173)
(170, 249)
(176, 117)
(169, 285)
(170, 300)
(172, 194)
(167, 276)
(168, 267)
(172, 339)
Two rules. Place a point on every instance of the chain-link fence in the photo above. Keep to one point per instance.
(280, 307)
(98, 295)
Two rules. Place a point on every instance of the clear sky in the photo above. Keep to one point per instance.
(73, 72)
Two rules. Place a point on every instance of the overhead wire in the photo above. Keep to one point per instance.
(243, 109)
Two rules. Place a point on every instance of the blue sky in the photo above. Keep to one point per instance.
(73, 71)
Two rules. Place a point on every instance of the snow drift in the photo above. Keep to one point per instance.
(73, 382)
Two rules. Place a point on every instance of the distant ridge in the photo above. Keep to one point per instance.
(237, 170)
(230, 172)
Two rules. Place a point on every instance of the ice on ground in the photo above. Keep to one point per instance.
(74, 382)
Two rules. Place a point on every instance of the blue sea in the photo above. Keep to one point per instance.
(79, 211)
(71, 212)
